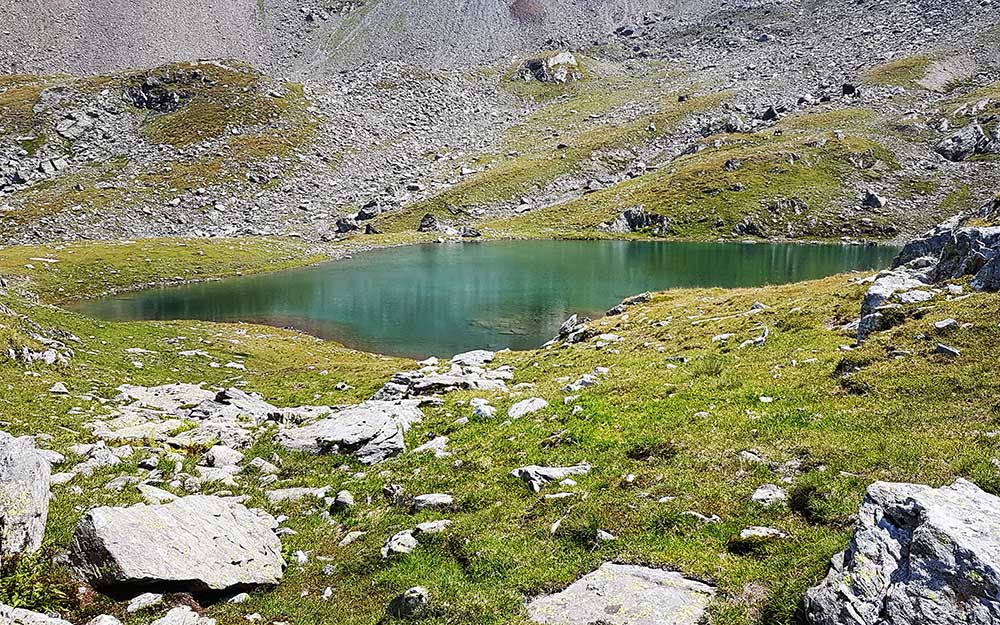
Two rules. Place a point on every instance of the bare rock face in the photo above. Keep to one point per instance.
(195, 544)
(620, 594)
(24, 495)
(918, 555)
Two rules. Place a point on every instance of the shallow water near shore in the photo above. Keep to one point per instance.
(441, 299)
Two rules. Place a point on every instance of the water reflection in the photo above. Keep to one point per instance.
(441, 299)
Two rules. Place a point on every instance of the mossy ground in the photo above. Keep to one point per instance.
(893, 410)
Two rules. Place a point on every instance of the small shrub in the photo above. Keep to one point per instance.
(35, 582)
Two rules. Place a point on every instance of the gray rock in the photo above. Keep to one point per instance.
(372, 431)
(410, 603)
(525, 407)
(343, 501)
(195, 544)
(144, 601)
(475, 358)
(24, 495)
(919, 555)
(536, 477)
(769, 495)
(428, 223)
(637, 220)
(104, 619)
(947, 350)
(17, 616)
(399, 543)
(294, 494)
(434, 501)
(962, 144)
(183, 615)
(619, 594)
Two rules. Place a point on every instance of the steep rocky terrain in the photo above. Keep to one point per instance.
(798, 120)
(825, 452)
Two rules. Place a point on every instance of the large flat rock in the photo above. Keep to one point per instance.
(622, 594)
(196, 544)
(372, 431)
(24, 495)
(919, 555)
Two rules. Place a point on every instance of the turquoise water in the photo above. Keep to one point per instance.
(445, 298)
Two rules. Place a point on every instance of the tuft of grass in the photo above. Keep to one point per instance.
(34, 582)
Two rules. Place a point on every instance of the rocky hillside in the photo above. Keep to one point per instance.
(766, 121)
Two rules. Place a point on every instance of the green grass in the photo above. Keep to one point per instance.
(705, 198)
(83, 270)
(905, 72)
(921, 418)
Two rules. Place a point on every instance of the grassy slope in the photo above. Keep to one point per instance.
(705, 199)
(58, 272)
(919, 417)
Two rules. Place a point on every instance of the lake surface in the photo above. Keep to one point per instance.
(446, 298)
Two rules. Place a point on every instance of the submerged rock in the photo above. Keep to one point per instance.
(24, 495)
(621, 594)
(196, 544)
(918, 555)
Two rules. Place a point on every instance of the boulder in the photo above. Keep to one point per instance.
(558, 67)
(621, 594)
(962, 144)
(637, 220)
(24, 495)
(371, 432)
(183, 615)
(196, 544)
(428, 223)
(410, 603)
(527, 406)
(536, 477)
(918, 555)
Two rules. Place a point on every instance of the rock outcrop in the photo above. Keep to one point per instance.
(24, 495)
(919, 555)
(621, 594)
(953, 250)
(196, 544)
(371, 432)
(637, 220)
(558, 67)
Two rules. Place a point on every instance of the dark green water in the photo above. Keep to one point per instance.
(446, 298)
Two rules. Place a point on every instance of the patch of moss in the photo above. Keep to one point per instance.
(905, 72)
